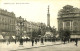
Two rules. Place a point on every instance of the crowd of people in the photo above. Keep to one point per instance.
(36, 40)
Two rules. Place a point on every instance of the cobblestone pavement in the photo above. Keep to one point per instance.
(28, 45)
(63, 47)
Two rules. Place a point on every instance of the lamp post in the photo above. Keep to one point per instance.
(21, 29)
(21, 21)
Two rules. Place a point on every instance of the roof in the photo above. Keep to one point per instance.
(68, 9)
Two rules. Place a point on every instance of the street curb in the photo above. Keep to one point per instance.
(36, 47)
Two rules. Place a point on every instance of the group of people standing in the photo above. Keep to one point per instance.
(36, 40)
(74, 40)
(33, 40)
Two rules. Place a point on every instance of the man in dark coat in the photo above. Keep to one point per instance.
(35, 40)
(15, 41)
(42, 41)
(32, 42)
(21, 41)
(26, 39)
(76, 40)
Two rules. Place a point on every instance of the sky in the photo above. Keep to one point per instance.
(36, 10)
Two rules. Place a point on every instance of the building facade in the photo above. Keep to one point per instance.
(7, 23)
(28, 27)
(69, 18)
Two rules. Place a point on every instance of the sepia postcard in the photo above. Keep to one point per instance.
(39, 25)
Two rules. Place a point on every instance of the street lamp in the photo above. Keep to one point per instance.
(21, 26)
(21, 29)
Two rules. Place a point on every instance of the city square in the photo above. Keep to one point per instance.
(39, 25)
(48, 46)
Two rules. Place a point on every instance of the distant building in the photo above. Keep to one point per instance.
(28, 27)
(31, 26)
(7, 23)
(69, 18)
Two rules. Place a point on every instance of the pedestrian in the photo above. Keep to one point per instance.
(32, 42)
(21, 41)
(15, 41)
(64, 39)
(35, 40)
(9, 41)
(76, 40)
(42, 41)
(26, 40)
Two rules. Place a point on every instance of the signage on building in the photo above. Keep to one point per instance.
(75, 36)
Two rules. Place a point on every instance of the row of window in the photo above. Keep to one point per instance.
(7, 27)
(72, 23)
(5, 19)
(75, 25)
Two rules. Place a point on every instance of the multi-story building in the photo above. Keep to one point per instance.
(69, 18)
(7, 23)
(32, 26)
(28, 27)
